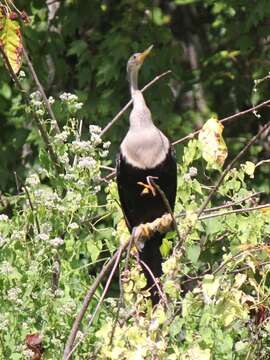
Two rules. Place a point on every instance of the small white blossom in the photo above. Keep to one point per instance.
(13, 294)
(6, 268)
(62, 136)
(3, 322)
(28, 354)
(68, 97)
(193, 171)
(94, 129)
(106, 145)
(96, 139)
(22, 74)
(104, 153)
(78, 106)
(56, 242)
(4, 218)
(81, 145)
(42, 236)
(36, 95)
(2, 240)
(32, 180)
(36, 103)
(51, 100)
(97, 189)
(73, 226)
(40, 112)
(87, 163)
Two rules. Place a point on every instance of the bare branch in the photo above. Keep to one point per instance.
(41, 90)
(167, 205)
(75, 327)
(162, 295)
(122, 111)
(224, 120)
(100, 302)
(235, 211)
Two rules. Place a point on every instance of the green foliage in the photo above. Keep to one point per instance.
(59, 225)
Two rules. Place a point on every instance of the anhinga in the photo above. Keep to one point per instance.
(145, 151)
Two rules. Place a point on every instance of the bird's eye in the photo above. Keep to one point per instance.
(134, 57)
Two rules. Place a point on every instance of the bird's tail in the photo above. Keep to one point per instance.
(151, 256)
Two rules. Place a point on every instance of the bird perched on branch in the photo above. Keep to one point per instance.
(145, 154)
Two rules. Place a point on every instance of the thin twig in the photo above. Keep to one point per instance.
(18, 179)
(100, 302)
(235, 211)
(167, 205)
(87, 299)
(120, 300)
(162, 295)
(122, 111)
(232, 203)
(262, 162)
(32, 208)
(248, 267)
(41, 90)
(229, 118)
(229, 167)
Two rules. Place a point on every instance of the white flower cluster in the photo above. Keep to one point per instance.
(94, 129)
(73, 226)
(13, 294)
(47, 198)
(68, 97)
(81, 145)
(42, 237)
(106, 145)
(4, 218)
(95, 134)
(87, 163)
(2, 241)
(51, 100)
(3, 322)
(32, 180)
(6, 268)
(61, 137)
(56, 242)
(36, 95)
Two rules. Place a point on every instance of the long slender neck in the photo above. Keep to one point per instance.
(133, 80)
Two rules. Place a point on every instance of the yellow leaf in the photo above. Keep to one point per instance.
(11, 40)
(213, 147)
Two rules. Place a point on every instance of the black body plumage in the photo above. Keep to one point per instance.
(140, 208)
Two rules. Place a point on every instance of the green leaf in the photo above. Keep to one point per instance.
(193, 253)
(165, 247)
(249, 168)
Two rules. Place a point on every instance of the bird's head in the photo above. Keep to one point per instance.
(136, 60)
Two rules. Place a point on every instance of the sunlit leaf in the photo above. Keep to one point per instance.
(213, 147)
(11, 40)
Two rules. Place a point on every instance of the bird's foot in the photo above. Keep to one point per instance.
(148, 187)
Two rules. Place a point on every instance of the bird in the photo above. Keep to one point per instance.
(145, 153)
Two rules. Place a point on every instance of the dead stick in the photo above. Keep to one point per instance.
(87, 299)
(119, 253)
(121, 112)
(40, 88)
(236, 211)
(234, 116)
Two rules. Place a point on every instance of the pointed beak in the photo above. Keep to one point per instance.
(144, 54)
